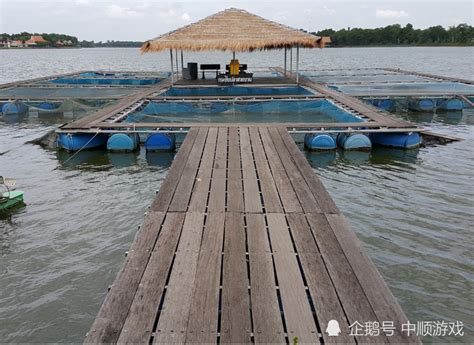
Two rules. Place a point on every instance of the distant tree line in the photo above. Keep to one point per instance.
(50, 38)
(462, 34)
(92, 44)
(53, 38)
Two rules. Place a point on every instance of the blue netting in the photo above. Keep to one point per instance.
(43, 92)
(236, 91)
(243, 111)
(407, 89)
(345, 72)
(106, 81)
(367, 78)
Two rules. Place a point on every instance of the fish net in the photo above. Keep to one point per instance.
(407, 89)
(243, 112)
(58, 92)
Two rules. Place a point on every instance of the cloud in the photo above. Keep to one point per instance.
(390, 14)
(118, 12)
(83, 2)
(185, 16)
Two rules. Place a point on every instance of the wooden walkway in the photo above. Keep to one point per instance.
(243, 244)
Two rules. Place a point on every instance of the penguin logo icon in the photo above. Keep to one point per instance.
(333, 329)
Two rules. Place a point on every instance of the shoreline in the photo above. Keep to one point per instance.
(328, 47)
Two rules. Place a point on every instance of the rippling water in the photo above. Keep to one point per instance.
(412, 209)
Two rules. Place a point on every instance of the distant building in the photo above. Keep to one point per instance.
(36, 40)
(15, 44)
(325, 41)
(64, 43)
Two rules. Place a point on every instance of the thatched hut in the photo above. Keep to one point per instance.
(233, 30)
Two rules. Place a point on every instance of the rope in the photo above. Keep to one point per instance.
(77, 152)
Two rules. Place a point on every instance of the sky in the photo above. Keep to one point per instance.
(139, 20)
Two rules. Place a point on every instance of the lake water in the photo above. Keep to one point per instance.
(412, 209)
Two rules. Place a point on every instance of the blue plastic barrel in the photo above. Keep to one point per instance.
(160, 142)
(423, 104)
(386, 104)
(47, 106)
(354, 141)
(401, 140)
(81, 141)
(452, 104)
(121, 142)
(314, 141)
(14, 108)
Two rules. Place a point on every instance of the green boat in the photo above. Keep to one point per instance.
(10, 199)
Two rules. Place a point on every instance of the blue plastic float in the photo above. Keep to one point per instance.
(400, 140)
(314, 141)
(14, 108)
(47, 106)
(121, 142)
(423, 104)
(160, 142)
(385, 104)
(75, 142)
(354, 141)
(451, 104)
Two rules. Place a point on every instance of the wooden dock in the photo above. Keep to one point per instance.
(243, 244)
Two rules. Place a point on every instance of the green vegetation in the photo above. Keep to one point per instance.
(462, 34)
(91, 44)
(53, 38)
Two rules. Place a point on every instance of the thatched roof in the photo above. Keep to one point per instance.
(232, 30)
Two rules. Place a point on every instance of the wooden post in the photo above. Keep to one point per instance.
(177, 66)
(297, 64)
(182, 63)
(291, 60)
(284, 68)
(172, 67)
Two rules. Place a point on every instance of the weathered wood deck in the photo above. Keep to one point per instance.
(244, 244)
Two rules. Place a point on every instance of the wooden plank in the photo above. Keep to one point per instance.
(351, 294)
(381, 299)
(182, 194)
(295, 125)
(165, 194)
(322, 291)
(239, 98)
(459, 80)
(173, 320)
(267, 321)
(111, 317)
(141, 317)
(297, 310)
(200, 193)
(287, 193)
(235, 200)
(235, 313)
(202, 323)
(325, 201)
(271, 199)
(307, 200)
(252, 201)
(217, 197)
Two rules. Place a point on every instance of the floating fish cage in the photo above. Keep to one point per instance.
(421, 104)
(67, 108)
(243, 111)
(339, 120)
(217, 91)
